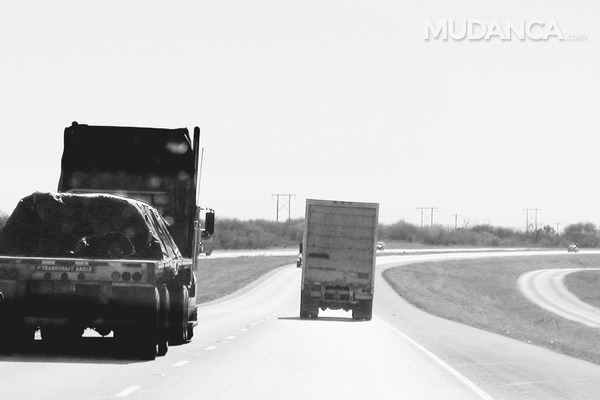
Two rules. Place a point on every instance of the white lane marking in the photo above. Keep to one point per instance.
(440, 362)
(230, 338)
(180, 363)
(127, 391)
(211, 348)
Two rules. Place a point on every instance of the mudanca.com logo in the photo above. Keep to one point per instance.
(478, 30)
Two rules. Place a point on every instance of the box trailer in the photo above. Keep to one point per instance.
(338, 257)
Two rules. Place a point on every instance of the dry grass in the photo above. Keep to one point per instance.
(222, 276)
(483, 293)
(585, 285)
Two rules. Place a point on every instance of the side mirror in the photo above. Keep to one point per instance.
(209, 222)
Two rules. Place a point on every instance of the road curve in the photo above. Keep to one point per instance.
(546, 288)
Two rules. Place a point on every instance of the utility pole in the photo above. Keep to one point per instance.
(528, 218)
(455, 221)
(424, 216)
(283, 205)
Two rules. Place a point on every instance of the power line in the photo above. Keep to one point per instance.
(528, 218)
(455, 221)
(283, 205)
(424, 216)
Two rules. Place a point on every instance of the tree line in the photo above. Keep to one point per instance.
(255, 234)
(233, 233)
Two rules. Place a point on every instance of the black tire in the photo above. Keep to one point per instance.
(140, 339)
(363, 310)
(178, 315)
(308, 308)
(146, 345)
(147, 330)
(163, 321)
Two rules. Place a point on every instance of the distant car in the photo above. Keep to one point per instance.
(380, 246)
(572, 248)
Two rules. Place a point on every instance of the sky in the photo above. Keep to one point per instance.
(341, 100)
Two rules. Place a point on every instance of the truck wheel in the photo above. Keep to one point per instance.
(146, 343)
(178, 315)
(140, 339)
(163, 321)
(363, 310)
(304, 312)
(147, 330)
(308, 308)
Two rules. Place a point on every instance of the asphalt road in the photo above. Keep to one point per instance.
(252, 345)
(546, 289)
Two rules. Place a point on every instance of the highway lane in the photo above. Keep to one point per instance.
(253, 345)
(546, 289)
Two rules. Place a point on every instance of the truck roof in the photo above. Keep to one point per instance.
(46, 224)
(131, 149)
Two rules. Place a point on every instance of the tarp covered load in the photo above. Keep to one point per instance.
(82, 226)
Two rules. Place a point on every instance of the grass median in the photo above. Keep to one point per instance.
(483, 293)
(218, 277)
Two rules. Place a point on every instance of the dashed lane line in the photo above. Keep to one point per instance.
(180, 363)
(127, 391)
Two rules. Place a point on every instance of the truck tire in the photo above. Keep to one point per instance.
(163, 321)
(363, 310)
(140, 339)
(178, 315)
(147, 330)
(308, 308)
(146, 347)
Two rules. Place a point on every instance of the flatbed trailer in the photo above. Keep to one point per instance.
(64, 264)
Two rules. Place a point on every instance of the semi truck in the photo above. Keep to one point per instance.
(338, 257)
(115, 249)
